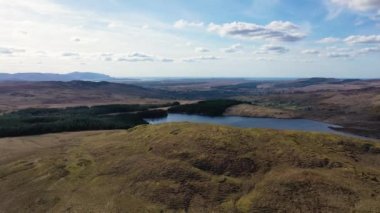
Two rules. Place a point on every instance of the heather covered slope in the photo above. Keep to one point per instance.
(21, 95)
(199, 168)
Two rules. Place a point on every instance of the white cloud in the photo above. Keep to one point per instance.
(167, 60)
(46, 29)
(133, 57)
(115, 24)
(181, 24)
(337, 52)
(208, 58)
(264, 59)
(378, 14)
(107, 59)
(361, 39)
(62, 32)
(40, 53)
(106, 56)
(272, 49)
(200, 58)
(145, 27)
(310, 52)
(188, 60)
(304, 60)
(338, 55)
(368, 50)
(328, 40)
(75, 39)
(137, 57)
(233, 49)
(10, 51)
(70, 54)
(364, 8)
(358, 5)
(41, 7)
(201, 50)
(276, 30)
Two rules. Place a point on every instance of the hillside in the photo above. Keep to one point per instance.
(19, 95)
(356, 110)
(198, 168)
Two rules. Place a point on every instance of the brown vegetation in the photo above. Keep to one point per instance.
(194, 168)
(355, 110)
(249, 110)
(21, 95)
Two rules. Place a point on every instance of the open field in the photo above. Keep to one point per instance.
(187, 167)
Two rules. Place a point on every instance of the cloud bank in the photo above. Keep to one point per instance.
(277, 30)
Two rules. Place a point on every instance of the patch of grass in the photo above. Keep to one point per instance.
(250, 110)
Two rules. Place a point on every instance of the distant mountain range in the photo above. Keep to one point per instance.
(81, 76)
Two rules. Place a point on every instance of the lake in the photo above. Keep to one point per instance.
(247, 122)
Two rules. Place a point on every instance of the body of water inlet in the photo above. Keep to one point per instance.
(248, 122)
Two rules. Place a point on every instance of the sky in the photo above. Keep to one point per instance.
(198, 38)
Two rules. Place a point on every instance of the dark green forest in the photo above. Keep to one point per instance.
(209, 108)
(54, 120)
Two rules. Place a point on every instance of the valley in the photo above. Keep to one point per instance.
(124, 163)
(353, 104)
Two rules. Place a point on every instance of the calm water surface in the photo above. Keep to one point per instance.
(246, 122)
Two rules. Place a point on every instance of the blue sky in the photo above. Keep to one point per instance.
(199, 38)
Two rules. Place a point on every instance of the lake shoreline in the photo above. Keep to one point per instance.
(298, 124)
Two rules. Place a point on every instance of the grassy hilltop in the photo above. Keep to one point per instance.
(189, 167)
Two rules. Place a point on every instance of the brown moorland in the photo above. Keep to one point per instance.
(21, 95)
(189, 167)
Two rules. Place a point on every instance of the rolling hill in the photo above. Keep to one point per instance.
(19, 95)
(189, 167)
